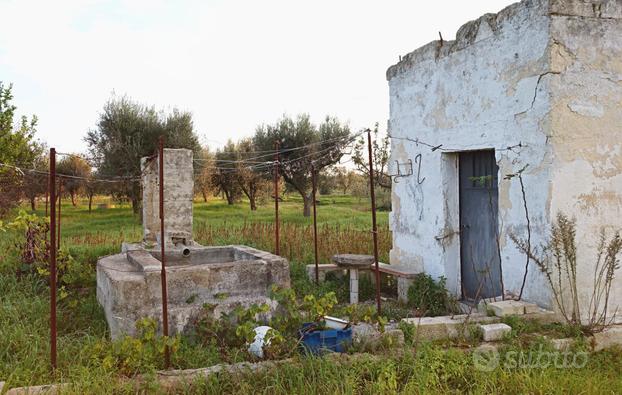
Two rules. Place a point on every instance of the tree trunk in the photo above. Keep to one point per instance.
(135, 205)
(136, 193)
(308, 201)
(229, 197)
(204, 195)
(90, 202)
(252, 199)
(73, 198)
(32, 203)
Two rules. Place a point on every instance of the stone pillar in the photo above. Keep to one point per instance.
(354, 286)
(402, 288)
(178, 194)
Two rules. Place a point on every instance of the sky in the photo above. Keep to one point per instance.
(233, 64)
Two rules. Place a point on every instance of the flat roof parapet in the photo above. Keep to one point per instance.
(493, 24)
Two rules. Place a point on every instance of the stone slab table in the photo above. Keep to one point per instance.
(354, 263)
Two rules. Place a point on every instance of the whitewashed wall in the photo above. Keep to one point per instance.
(586, 135)
(498, 85)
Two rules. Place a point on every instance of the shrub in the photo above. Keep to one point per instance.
(34, 255)
(130, 355)
(429, 297)
(558, 261)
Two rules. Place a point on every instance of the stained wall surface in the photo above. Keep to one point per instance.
(178, 193)
(540, 82)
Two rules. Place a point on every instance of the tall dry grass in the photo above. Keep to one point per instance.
(296, 241)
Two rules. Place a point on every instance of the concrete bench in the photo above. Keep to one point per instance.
(322, 270)
(405, 276)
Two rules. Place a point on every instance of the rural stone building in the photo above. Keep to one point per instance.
(538, 87)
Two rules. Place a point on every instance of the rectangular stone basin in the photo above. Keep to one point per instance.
(196, 256)
(129, 284)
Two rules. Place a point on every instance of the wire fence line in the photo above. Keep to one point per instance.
(266, 166)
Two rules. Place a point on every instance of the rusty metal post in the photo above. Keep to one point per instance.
(52, 191)
(167, 354)
(314, 189)
(47, 192)
(277, 240)
(372, 194)
(60, 196)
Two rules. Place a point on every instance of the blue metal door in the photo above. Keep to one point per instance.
(479, 248)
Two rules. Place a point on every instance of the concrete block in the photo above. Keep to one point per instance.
(544, 316)
(494, 332)
(610, 337)
(506, 308)
(367, 334)
(447, 327)
(394, 336)
(531, 308)
(562, 344)
(363, 330)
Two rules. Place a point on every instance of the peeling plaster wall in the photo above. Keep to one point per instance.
(586, 129)
(487, 89)
(543, 73)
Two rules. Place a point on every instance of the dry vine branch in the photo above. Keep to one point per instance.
(558, 261)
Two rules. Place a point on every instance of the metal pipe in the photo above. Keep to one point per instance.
(314, 181)
(277, 250)
(52, 191)
(373, 217)
(167, 355)
(47, 192)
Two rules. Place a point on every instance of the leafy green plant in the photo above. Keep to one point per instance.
(34, 255)
(131, 355)
(292, 312)
(230, 330)
(429, 297)
(34, 248)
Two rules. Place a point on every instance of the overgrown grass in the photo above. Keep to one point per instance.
(24, 301)
(344, 227)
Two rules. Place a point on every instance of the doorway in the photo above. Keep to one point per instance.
(479, 229)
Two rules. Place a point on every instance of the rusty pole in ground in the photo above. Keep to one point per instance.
(60, 196)
(373, 217)
(52, 191)
(314, 189)
(167, 354)
(277, 241)
(47, 192)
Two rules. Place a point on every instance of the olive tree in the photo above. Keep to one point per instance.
(127, 131)
(304, 148)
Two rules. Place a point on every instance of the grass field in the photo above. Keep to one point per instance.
(344, 227)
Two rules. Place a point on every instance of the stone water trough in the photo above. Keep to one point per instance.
(129, 283)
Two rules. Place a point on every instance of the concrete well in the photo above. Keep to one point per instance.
(129, 287)
(129, 284)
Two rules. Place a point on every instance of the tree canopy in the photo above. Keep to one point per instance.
(78, 170)
(304, 147)
(18, 147)
(128, 131)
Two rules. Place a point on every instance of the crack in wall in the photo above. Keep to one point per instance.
(535, 93)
